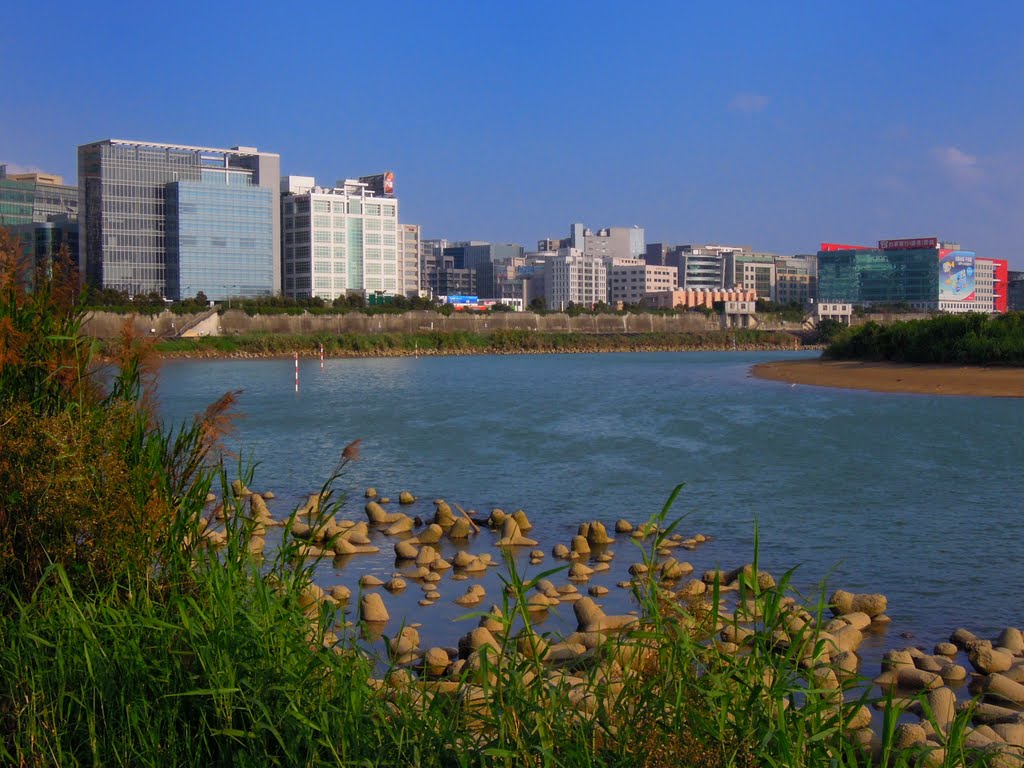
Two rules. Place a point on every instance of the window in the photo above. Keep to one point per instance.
(321, 206)
(371, 209)
(322, 221)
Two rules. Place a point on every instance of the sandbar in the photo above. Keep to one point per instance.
(975, 381)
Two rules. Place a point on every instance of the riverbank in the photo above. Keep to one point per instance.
(463, 343)
(909, 378)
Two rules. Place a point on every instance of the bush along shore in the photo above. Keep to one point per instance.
(141, 625)
(968, 339)
(464, 343)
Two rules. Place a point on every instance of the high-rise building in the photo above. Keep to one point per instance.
(410, 241)
(609, 243)
(431, 260)
(573, 277)
(35, 197)
(178, 219)
(339, 239)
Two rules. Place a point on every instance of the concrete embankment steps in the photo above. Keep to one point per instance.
(204, 324)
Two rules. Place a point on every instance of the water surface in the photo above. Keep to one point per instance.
(915, 496)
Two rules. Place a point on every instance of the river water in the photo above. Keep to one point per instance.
(916, 496)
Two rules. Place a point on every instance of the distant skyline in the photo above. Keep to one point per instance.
(766, 125)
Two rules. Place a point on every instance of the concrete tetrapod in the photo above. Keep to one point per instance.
(590, 617)
(378, 516)
(512, 535)
(371, 608)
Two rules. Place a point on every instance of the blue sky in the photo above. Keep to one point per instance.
(777, 125)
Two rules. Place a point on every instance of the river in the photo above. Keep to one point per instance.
(915, 496)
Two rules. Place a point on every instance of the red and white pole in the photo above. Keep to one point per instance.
(296, 371)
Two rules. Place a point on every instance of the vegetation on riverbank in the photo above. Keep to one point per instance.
(128, 638)
(967, 339)
(467, 343)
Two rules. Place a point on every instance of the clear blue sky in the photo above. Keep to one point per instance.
(777, 125)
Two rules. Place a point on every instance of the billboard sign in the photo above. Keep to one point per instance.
(956, 275)
(908, 244)
(381, 183)
(829, 247)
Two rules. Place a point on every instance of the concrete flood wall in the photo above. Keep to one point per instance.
(106, 325)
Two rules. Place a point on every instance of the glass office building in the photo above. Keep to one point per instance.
(874, 276)
(34, 197)
(220, 239)
(124, 217)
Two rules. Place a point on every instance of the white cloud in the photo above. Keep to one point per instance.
(959, 165)
(748, 103)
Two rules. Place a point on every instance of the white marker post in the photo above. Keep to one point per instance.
(296, 371)
(321, 357)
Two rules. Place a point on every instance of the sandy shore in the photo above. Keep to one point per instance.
(975, 381)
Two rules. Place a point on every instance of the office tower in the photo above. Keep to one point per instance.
(339, 239)
(177, 219)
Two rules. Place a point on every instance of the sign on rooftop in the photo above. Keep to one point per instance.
(908, 244)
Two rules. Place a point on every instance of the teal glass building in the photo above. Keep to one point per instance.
(874, 276)
(220, 239)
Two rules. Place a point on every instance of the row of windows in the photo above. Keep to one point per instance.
(342, 205)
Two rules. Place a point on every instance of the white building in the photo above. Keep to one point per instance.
(338, 239)
(410, 242)
(985, 288)
(573, 277)
(630, 279)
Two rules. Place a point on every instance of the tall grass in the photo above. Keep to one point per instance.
(128, 639)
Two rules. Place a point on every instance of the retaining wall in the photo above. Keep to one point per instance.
(107, 325)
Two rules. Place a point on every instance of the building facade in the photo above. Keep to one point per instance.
(991, 278)
(431, 260)
(339, 239)
(751, 271)
(1015, 291)
(689, 299)
(796, 279)
(629, 283)
(124, 233)
(923, 273)
(41, 242)
(410, 239)
(27, 198)
(573, 277)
